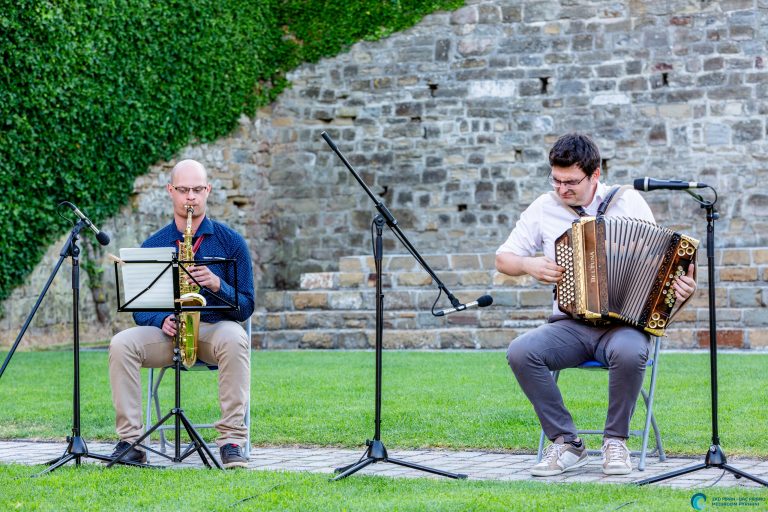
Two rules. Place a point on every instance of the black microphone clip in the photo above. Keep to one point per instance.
(101, 236)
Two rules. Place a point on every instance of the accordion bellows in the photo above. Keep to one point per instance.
(621, 268)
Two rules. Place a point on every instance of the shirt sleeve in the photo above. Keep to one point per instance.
(245, 291)
(525, 239)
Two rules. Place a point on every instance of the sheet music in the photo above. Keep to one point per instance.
(138, 276)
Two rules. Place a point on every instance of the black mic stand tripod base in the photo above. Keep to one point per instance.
(715, 457)
(376, 452)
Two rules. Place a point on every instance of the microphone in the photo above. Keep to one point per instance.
(101, 236)
(485, 300)
(646, 184)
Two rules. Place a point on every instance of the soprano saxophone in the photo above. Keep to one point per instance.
(189, 321)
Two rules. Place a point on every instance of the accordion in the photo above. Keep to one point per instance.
(623, 269)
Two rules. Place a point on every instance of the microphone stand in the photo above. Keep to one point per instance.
(76, 447)
(376, 451)
(715, 457)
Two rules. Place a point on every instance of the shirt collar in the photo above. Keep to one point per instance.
(600, 193)
(206, 228)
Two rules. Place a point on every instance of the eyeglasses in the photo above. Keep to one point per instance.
(186, 190)
(568, 183)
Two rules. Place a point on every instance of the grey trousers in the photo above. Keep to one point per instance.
(223, 343)
(565, 343)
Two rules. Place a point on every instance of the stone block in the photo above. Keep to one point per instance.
(507, 298)
(681, 338)
(738, 274)
(353, 340)
(494, 338)
(466, 319)
(449, 278)
(740, 257)
(760, 256)
(400, 263)
(437, 261)
(488, 261)
(295, 320)
(317, 280)
(754, 317)
(351, 264)
(758, 338)
(478, 278)
(700, 298)
(280, 339)
(413, 279)
(410, 339)
(465, 261)
(534, 298)
(748, 297)
(457, 339)
(686, 315)
(733, 338)
(310, 300)
(345, 300)
(500, 279)
(274, 301)
(352, 279)
(316, 339)
(465, 15)
(273, 322)
(399, 300)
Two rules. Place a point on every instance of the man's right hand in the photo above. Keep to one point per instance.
(169, 325)
(543, 269)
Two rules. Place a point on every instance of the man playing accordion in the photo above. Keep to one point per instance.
(565, 342)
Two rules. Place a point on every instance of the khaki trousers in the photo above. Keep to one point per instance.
(224, 344)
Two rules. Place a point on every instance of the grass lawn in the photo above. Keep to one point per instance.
(431, 399)
(93, 488)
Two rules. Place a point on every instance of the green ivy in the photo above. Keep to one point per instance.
(93, 92)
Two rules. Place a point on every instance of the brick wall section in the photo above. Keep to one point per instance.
(336, 309)
(449, 124)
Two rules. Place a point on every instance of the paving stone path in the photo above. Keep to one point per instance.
(479, 465)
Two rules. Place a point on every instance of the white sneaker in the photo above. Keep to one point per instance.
(616, 457)
(559, 458)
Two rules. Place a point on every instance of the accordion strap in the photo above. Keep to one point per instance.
(615, 192)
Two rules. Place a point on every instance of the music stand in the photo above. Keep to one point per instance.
(76, 447)
(375, 451)
(197, 444)
(715, 457)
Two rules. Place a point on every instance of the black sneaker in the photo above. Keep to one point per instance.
(133, 456)
(232, 457)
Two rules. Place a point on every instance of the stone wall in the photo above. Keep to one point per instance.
(449, 123)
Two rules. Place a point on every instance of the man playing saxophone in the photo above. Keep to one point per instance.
(221, 339)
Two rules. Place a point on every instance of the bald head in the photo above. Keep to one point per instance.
(188, 164)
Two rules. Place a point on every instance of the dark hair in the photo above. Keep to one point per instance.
(575, 148)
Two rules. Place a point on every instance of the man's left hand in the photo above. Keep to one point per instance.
(685, 285)
(204, 277)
